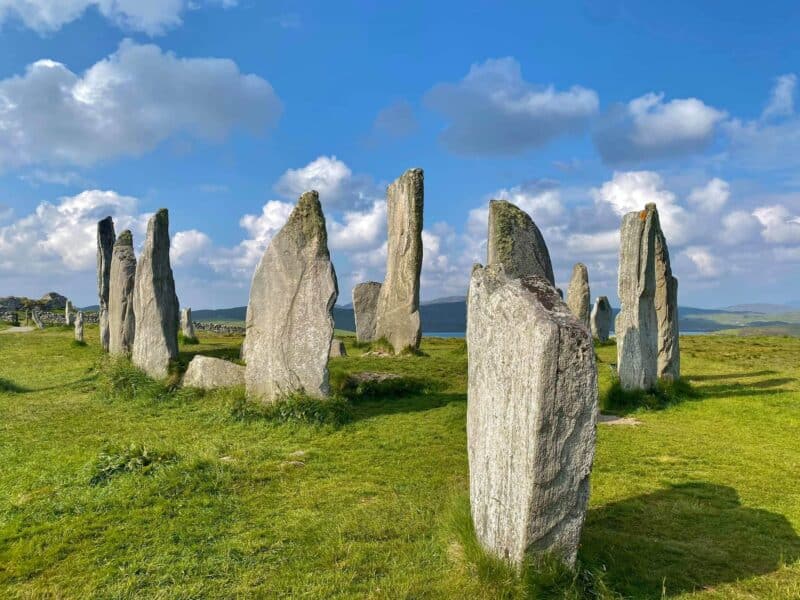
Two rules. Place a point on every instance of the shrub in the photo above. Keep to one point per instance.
(296, 407)
(118, 460)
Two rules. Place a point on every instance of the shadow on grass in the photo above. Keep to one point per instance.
(684, 538)
(618, 400)
(8, 386)
(751, 388)
(186, 355)
(730, 375)
(367, 409)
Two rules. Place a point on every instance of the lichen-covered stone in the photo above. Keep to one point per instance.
(337, 348)
(601, 318)
(365, 309)
(666, 303)
(187, 327)
(531, 415)
(155, 304)
(636, 325)
(37, 319)
(209, 373)
(105, 247)
(121, 319)
(398, 319)
(578, 293)
(79, 327)
(289, 320)
(516, 242)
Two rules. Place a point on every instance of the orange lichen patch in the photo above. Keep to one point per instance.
(643, 215)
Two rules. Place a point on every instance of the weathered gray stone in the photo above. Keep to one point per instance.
(209, 373)
(337, 348)
(79, 327)
(531, 415)
(516, 242)
(121, 319)
(105, 248)
(289, 320)
(398, 318)
(155, 304)
(37, 319)
(578, 294)
(365, 309)
(666, 303)
(601, 318)
(187, 327)
(68, 313)
(636, 325)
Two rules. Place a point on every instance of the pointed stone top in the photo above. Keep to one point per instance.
(106, 224)
(581, 269)
(307, 222)
(516, 242)
(125, 238)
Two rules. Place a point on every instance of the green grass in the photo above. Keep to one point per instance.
(207, 497)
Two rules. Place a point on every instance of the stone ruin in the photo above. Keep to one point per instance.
(155, 304)
(289, 314)
(578, 294)
(365, 309)
(105, 247)
(79, 327)
(122, 278)
(187, 327)
(398, 319)
(601, 318)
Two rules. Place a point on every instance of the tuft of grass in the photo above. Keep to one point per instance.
(187, 341)
(121, 381)
(78, 344)
(135, 458)
(666, 393)
(355, 388)
(295, 407)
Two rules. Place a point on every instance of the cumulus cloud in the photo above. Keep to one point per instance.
(738, 227)
(126, 105)
(706, 264)
(712, 196)
(779, 226)
(781, 101)
(648, 128)
(338, 187)
(361, 229)
(189, 246)
(494, 111)
(152, 17)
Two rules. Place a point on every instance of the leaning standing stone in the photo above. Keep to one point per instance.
(289, 320)
(601, 319)
(578, 294)
(531, 413)
(365, 307)
(516, 242)
(398, 303)
(187, 327)
(105, 247)
(121, 320)
(666, 302)
(636, 326)
(79, 328)
(37, 319)
(155, 304)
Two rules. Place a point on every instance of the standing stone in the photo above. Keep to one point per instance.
(601, 318)
(79, 327)
(516, 242)
(398, 303)
(67, 315)
(209, 373)
(121, 320)
(187, 327)
(155, 304)
(28, 317)
(365, 308)
(105, 247)
(637, 326)
(37, 319)
(337, 348)
(666, 301)
(289, 320)
(531, 414)
(578, 294)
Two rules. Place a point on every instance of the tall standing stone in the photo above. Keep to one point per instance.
(531, 414)
(187, 327)
(105, 247)
(637, 326)
(578, 294)
(516, 242)
(289, 320)
(37, 319)
(601, 318)
(67, 313)
(398, 303)
(365, 309)
(666, 302)
(121, 319)
(79, 327)
(155, 304)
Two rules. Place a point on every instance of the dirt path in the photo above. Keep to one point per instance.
(18, 330)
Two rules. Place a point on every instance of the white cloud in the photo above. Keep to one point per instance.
(189, 246)
(602, 242)
(779, 226)
(712, 196)
(338, 187)
(705, 263)
(361, 229)
(125, 105)
(781, 101)
(152, 17)
(493, 110)
(649, 128)
(738, 227)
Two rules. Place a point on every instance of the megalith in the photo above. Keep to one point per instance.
(337, 348)
(121, 319)
(365, 308)
(209, 373)
(155, 305)
(578, 294)
(37, 319)
(601, 318)
(187, 326)
(289, 318)
(666, 302)
(636, 324)
(398, 319)
(531, 415)
(516, 242)
(105, 248)
(79, 327)
(68, 313)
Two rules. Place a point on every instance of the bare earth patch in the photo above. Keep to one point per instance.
(615, 420)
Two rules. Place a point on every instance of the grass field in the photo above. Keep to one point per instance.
(179, 496)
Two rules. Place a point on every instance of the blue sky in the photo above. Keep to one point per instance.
(225, 111)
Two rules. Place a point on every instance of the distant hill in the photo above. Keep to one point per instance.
(765, 309)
